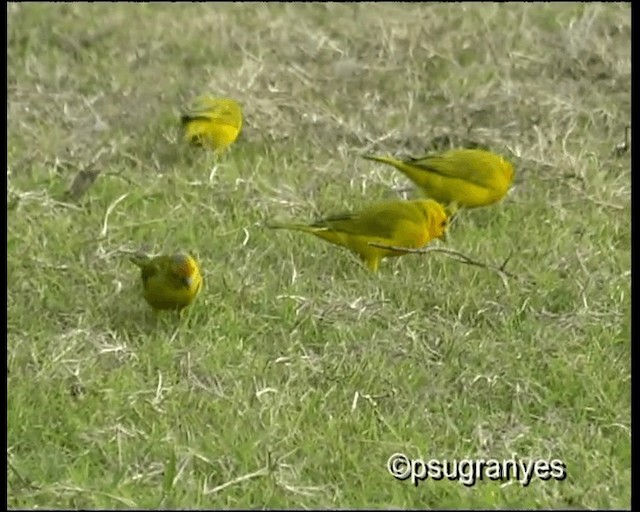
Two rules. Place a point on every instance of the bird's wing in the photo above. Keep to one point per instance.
(155, 267)
(474, 170)
(149, 270)
(378, 223)
(207, 110)
(218, 120)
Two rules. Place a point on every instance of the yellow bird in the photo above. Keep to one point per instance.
(170, 282)
(212, 122)
(466, 178)
(410, 224)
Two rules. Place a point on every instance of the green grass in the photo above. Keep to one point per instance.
(295, 367)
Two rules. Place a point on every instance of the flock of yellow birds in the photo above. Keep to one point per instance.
(459, 178)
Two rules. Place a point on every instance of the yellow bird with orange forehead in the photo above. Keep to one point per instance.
(169, 281)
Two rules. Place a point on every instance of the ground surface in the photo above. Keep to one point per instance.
(296, 374)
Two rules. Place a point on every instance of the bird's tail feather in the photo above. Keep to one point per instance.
(140, 259)
(382, 159)
(295, 227)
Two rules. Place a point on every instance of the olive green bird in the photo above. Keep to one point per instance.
(214, 123)
(467, 178)
(169, 281)
(410, 224)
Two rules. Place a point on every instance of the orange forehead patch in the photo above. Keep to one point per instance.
(183, 265)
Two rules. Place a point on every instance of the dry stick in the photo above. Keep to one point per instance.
(243, 478)
(22, 479)
(588, 197)
(623, 147)
(110, 208)
(461, 257)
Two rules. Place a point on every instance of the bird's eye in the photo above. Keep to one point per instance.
(443, 224)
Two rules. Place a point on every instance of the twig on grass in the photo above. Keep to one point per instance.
(110, 208)
(623, 147)
(592, 199)
(261, 472)
(23, 480)
(462, 258)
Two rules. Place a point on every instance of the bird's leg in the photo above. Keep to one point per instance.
(372, 264)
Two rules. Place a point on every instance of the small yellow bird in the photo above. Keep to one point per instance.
(410, 224)
(170, 282)
(212, 122)
(467, 178)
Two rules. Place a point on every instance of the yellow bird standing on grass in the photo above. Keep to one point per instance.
(467, 178)
(211, 122)
(170, 282)
(410, 224)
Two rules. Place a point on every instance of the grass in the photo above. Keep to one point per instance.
(296, 374)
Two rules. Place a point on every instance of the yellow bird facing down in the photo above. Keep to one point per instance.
(170, 282)
(467, 178)
(410, 224)
(211, 122)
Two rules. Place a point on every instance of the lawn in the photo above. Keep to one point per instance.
(297, 373)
